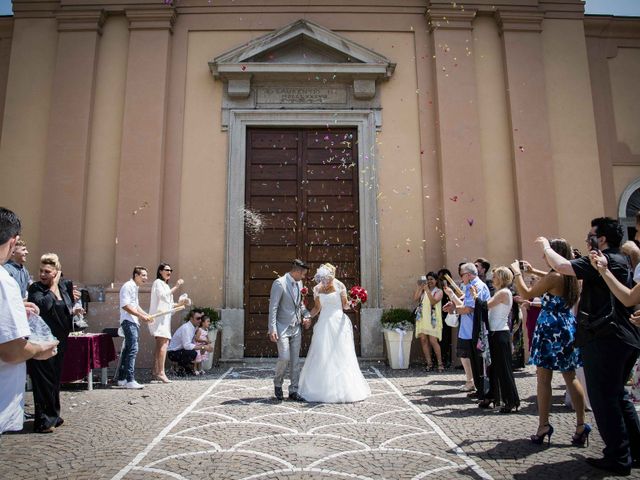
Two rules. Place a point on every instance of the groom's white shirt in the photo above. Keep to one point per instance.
(285, 304)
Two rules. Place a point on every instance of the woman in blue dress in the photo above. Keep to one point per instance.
(553, 346)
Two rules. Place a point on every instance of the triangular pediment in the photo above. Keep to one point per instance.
(303, 42)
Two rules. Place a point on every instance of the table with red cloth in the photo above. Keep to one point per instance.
(84, 353)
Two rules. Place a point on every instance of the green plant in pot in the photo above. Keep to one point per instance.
(398, 325)
(397, 318)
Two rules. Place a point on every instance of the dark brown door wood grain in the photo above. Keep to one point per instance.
(304, 185)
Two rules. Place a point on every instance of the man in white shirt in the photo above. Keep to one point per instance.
(130, 314)
(182, 348)
(15, 350)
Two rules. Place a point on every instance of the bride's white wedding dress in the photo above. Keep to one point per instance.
(331, 373)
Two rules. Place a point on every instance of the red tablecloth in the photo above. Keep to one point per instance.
(92, 350)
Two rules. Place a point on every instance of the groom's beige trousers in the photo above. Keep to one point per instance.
(289, 355)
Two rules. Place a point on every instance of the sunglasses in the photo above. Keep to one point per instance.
(167, 270)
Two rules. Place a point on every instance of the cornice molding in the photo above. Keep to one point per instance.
(450, 19)
(151, 19)
(80, 20)
(35, 8)
(607, 26)
(519, 21)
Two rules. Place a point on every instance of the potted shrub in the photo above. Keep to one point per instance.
(398, 326)
(213, 333)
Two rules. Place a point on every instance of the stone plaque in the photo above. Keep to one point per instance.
(301, 95)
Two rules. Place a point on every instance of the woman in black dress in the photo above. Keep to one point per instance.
(54, 296)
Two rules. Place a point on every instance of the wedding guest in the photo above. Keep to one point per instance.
(447, 331)
(499, 308)
(202, 338)
(15, 349)
(54, 297)
(622, 440)
(609, 344)
(182, 347)
(160, 329)
(16, 268)
(429, 319)
(484, 267)
(631, 250)
(471, 358)
(130, 315)
(553, 347)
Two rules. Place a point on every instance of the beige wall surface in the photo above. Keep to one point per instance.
(578, 188)
(501, 229)
(23, 149)
(204, 171)
(623, 176)
(399, 175)
(412, 190)
(624, 70)
(104, 155)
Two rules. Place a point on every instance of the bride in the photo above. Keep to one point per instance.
(331, 373)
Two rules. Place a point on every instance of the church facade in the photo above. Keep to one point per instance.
(388, 137)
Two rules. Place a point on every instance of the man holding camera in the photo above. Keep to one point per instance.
(609, 345)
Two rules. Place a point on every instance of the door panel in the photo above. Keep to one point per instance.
(304, 184)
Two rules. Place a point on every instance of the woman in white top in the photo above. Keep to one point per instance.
(162, 301)
(500, 339)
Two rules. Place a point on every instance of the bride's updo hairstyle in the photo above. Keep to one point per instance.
(324, 277)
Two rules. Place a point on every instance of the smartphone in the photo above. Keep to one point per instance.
(422, 280)
(521, 265)
(593, 242)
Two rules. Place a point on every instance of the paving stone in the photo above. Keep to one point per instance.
(415, 425)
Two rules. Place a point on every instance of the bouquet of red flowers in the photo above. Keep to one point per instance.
(303, 293)
(357, 295)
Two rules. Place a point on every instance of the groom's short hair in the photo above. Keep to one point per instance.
(298, 264)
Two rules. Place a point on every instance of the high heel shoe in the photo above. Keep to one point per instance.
(509, 408)
(582, 439)
(440, 368)
(487, 403)
(539, 439)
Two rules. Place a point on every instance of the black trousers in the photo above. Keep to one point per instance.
(479, 378)
(45, 378)
(184, 358)
(504, 385)
(607, 365)
(445, 344)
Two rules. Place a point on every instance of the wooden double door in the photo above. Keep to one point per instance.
(301, 202)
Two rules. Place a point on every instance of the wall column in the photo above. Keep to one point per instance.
(458, 134)
(143, 137)
(63, 200)
(531, 144)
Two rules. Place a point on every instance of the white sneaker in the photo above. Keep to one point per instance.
(122, 383)
(134, 385)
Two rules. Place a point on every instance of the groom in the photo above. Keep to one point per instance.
(286, 313)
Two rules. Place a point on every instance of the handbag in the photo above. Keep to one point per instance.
(452, 320)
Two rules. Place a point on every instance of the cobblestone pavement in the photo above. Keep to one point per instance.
(227, 425)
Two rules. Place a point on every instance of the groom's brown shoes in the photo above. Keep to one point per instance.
(278, 393)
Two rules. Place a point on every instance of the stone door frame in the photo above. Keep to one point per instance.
(365, 123)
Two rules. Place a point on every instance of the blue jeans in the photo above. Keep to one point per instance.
(129, 352)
